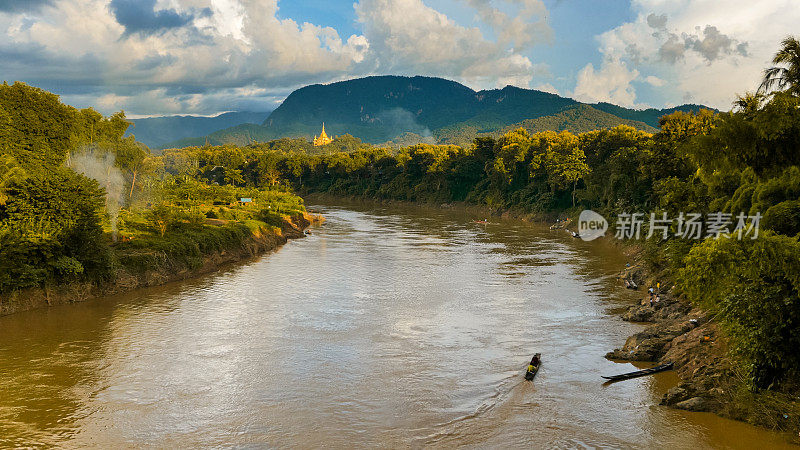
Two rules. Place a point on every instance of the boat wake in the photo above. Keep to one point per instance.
(511, 395)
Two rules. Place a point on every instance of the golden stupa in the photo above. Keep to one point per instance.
(323, 138)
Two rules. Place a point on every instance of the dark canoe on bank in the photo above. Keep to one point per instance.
(640, 373)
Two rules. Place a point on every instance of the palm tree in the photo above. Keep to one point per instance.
(749, 103)
(785, 75)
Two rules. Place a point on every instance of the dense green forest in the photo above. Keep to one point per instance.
(79, 202)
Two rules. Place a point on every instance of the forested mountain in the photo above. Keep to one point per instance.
(386, 108)
(155, 132)
(578, 118)
(242, 134)
(649, 116)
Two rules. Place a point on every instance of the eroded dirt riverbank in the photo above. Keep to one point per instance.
(710, 379)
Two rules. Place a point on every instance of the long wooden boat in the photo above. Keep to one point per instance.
(531, 371)
(640, 373)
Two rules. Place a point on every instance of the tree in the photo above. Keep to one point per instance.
(566, 162)
(35, 127)
(131, 157)
(266, 169)
(785, 75)
(161, 217)
(752, 286)
(749, 103)
(10, 172)
(765, 140)
(52, 230)
(293, 165)
(511, 154)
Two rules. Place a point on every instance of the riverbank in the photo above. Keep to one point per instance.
(468, 208)
(152, 267)
(710, 378)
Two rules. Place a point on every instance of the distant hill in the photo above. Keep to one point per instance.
(649, 116)
(395, 109)
(157, 132)
(243, 134)
(578, 118)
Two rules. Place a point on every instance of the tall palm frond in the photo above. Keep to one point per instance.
(785, 75)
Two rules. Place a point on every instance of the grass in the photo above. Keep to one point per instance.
(208, 221)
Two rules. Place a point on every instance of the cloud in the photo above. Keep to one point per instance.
(709, 43)
(658, 22)
(167, 101)
(703, 51)
(547, 87)
(522, 30)
(714, 44)
(611, 83)
(140, 16)
(126, 53)
(672, 50)
(21, 6)
(655, 81)
(409, 37)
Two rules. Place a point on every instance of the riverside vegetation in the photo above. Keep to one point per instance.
(746, 160)
(81, 205)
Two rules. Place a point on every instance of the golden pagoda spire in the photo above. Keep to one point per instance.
(323, 138)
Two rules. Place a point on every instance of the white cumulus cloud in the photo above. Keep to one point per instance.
(409, 37)
(655, 81)
(611, 83)
(703, 51)
(193, 56)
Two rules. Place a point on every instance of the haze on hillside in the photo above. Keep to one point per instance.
(397, 110)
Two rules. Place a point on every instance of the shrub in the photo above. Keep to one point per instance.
(783, 218)
(754, 287)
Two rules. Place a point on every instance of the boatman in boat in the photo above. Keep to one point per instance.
(534, 363)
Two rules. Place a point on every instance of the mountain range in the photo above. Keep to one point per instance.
(383, 109)
(156, 132)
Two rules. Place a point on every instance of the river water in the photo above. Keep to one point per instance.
(386, 327)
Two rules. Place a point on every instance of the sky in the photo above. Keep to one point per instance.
(203, 57)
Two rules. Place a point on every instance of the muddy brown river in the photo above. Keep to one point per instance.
(387, 327)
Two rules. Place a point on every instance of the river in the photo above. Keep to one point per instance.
(387, 326)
